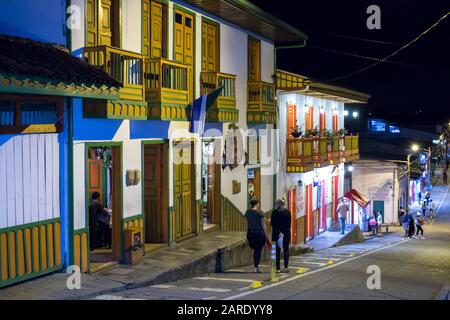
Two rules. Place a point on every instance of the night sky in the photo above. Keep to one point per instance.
(415, 93)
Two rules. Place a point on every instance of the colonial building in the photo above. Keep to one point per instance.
(313, 147)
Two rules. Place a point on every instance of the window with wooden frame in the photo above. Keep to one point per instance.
(103, 23)
(31, 114)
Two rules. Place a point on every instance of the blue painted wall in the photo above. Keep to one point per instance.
(41, 20)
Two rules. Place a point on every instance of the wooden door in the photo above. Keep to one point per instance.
(212, 188)
(322, 123)
(183, 188)
(309, 211)
(146, 20)
(156, 30)
(116, 187)
(103, 22)
(291, 117)
(309, 118)
(184, 45)
(95, 175)
(292, 206)
(153, 193)
(210, 43)
(254, 60)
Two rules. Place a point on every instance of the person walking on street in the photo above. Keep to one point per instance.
(256, 232)
(401, 214)
(419, 222)
(373, 223)
(445, 177)
(342, 210)
(281, 229)
(411, 227)
(431, 209)
(379, 222)
(424, 209)
(419, 196)
(407, 217)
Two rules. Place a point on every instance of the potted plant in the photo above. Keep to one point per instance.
(297, 132)
(342, 132)
(314, 132)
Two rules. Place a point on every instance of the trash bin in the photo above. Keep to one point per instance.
(133, 245)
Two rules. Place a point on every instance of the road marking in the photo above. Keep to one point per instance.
(209, 298)
(218, 290)
(225, 279)
(163, 286)
(309, 273)
(312, 262)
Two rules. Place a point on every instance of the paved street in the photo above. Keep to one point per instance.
(410, 269)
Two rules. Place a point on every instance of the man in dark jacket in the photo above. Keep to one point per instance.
(281, 227)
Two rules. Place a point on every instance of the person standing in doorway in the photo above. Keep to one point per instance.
(281, 228)
(379, 221)
(342, 210)
(96, 214)
(256, 232)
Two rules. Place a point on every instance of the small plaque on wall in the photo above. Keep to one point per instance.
(236, 187)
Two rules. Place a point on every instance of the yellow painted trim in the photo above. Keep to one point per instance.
(36, 128)
(20, 254)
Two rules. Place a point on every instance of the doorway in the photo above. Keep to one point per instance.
(104, 204)
(378, 205)
(211, 185)
(184, 191)
(254, 184)
(155, 194)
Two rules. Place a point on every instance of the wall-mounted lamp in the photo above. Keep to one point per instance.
(335, 112)
(322, 110)
(355, 114)
(350, 168)
(345, 113)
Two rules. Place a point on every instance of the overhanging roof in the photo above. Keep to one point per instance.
(28, 66)
(291, 82)
(248, 16)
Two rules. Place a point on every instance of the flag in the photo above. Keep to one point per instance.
(198, 110)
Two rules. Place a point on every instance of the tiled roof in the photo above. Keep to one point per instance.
(25, 57)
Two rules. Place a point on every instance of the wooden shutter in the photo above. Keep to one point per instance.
(322, 121)
(254, 60)
(179, 37)
(146, 28)
(291, 118)
(309, 120)
(104, 27)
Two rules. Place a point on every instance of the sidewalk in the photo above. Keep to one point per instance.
(191, 257)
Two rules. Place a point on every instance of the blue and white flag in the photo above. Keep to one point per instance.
(199, 108)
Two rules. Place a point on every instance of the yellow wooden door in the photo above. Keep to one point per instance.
(184, 45)
(91, 22)
(183, 189)
(254, 60)
(210, 52)
(152, 34)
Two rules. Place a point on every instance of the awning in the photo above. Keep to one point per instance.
(32, 67)
(358, 197)
(248, 16)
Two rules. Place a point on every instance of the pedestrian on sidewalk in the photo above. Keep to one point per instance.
(281, 229)
(256, 232)
(406, 219)
(342, 210)
(419, 222)
(445, 177)
(373, 223)
(401, 214)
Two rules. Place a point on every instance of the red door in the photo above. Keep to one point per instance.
(335, 196)
(309, 211)
(335, 122)
(322, 119)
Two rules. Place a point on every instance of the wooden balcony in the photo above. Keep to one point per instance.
(125, 67)
(261, 102)
(166, 89)
(351, 150)
(305, 154)
(224, 109)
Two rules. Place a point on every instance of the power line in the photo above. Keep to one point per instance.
(356, 38)
(369, 58)
(395, 52)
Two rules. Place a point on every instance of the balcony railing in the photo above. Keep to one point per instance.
(224, 109)
(124, 66)
(166, 88)
(304, 154)
(261, 102)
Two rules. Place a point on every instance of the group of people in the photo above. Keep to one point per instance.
(258, 236)
(411, 225)
(100, 223)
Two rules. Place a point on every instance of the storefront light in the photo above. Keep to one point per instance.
(345, 113)
(350, 168)
(355, 114)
